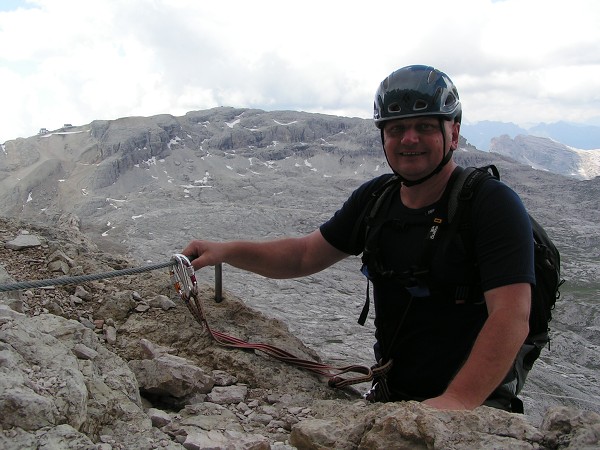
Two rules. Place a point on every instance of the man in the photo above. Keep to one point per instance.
(450, 351)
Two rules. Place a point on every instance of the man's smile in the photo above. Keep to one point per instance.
(411, 153)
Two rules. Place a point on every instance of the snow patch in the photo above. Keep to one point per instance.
(285, 124)
(62, 132)
(173, 141)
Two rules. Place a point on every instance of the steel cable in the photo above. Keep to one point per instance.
(82, 278)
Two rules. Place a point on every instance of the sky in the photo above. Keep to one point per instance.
(75, 61)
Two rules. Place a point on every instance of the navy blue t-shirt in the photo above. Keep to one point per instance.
(430, 337)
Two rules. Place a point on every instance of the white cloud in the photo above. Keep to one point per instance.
(62, 61)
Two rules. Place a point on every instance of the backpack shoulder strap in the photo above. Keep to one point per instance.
(376, 198)
(366, 220)
(466, 186)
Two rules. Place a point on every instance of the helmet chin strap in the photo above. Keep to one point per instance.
(445, 159)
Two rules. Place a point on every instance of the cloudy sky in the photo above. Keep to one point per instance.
(73, 61)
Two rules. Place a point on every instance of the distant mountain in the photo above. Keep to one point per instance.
(584, 137)
(546, 154)
(481, 133)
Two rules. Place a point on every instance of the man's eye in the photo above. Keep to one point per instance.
(426, 127)
(395, 130)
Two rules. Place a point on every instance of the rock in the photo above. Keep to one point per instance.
(110, 334)
(151, 350)
(23, 241)
(84, 352)
(75, 300)
(59, 255)
(116, 306)
(69, 220)
(11, 299)
(223, 378)
(171, 376)
(59, 266)
(214, 439)
(81, 292)
(41, 382)
(87, 322)
(568, 428)
(161, 301)
(223, 395)
(159, 418)
(142, 307)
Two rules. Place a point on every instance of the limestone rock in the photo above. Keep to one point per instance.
(169, 375)
(23, 241)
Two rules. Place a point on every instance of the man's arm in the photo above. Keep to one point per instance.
(280, 258)
(494, 351)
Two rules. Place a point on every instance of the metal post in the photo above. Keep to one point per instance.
(218, 283)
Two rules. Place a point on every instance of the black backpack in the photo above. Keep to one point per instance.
(546, 255)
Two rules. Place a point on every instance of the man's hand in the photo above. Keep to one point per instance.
(204, 253)
(446, 402)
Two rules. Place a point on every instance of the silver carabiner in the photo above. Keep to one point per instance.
(183, 277)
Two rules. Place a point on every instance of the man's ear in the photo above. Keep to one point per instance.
(455, 135)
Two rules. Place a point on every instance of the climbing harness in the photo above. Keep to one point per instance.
(184, 281)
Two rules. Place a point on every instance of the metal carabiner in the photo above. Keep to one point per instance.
(183, 277)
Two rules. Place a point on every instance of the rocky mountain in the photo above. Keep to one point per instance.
(481, 133)
(142, 187)
(585, 137)
(546, 154)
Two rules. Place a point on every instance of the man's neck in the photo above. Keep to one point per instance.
(428, 192)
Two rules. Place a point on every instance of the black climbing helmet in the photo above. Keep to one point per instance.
(415, 91)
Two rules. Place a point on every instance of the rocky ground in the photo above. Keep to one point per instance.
(120, 363)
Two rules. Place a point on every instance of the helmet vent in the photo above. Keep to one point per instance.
(450, 100)
(394, 107)
(420, 105)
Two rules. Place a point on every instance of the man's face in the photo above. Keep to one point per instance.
(414, 147)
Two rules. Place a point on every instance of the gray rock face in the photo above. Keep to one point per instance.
(545, 154)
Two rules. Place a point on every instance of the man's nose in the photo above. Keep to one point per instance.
(410, 136)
